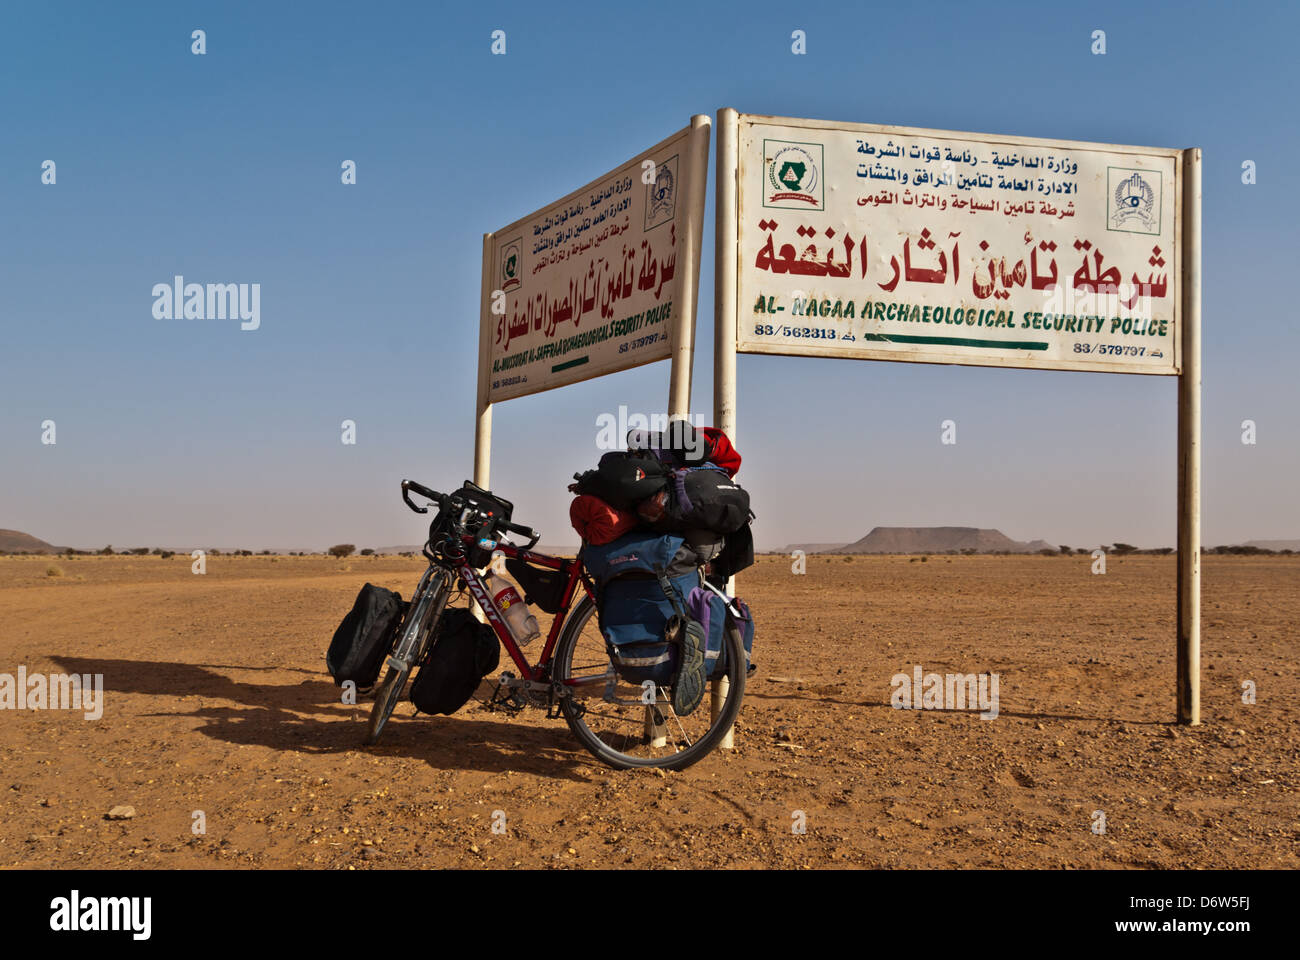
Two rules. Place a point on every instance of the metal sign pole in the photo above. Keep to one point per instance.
(1189, 451)
(482, 408)
(724, 318)
(683, 335)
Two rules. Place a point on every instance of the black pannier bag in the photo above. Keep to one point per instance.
(365, 636)
(464, 651)
(543, 587)
(737, 554)
(623, 480)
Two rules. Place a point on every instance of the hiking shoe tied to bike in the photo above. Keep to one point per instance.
(691, 676)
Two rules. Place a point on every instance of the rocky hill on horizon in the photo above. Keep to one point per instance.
(940, 540)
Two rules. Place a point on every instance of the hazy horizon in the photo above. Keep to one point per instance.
(225, 168)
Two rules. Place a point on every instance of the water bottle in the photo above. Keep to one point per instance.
(523, 625)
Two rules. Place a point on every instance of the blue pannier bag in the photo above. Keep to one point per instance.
(637, 553)
(641, 592)
(720, 616)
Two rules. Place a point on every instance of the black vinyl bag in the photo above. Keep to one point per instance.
(623, 479)
(365, 636)
(464, 651)
(543, 587)
(704, 498)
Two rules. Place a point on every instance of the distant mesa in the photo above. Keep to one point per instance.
(814, 547)
(15, 541)
(940, 540)
(1275, 545)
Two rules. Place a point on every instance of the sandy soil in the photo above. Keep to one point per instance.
(217, 700)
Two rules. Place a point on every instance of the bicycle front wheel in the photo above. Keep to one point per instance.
(389, 693)
(412, 643)
(610, 717)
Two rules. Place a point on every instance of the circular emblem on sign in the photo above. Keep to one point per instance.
(793, 174)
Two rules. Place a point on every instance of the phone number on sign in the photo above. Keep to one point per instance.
(811, 333)
(1110, 349)
(640, 342)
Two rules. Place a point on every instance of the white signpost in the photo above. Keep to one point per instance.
(604, 279)
(897, 243)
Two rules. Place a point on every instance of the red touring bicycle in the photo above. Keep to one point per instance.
(623, 724)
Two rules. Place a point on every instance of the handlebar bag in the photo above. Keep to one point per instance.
(365, 636)
(463, 652)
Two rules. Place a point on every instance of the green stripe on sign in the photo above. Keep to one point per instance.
(958, 342)
(569, 363)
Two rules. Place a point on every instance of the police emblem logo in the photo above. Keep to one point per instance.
(661, 195)
(1133, 201)
(792, 175)
(512, 265)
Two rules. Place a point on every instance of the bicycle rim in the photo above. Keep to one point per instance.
(609, 717)
(386, 702)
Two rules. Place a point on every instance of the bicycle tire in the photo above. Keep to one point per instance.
(389, 692)
(602, 751)
(386, 699)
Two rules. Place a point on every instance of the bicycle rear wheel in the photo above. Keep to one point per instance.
(610, 717)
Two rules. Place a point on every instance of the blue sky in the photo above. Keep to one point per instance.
(225, 168)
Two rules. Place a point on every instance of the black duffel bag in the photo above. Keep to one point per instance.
(698, 498)
(463, 652)
(365, 636)
(623, 479)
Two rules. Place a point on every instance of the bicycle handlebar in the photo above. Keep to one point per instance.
(422, 490)
(441, 500)
(523, 531)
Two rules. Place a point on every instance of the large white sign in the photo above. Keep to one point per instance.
(857, 240)
(592, 283)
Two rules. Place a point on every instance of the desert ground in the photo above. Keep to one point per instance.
(217, 700)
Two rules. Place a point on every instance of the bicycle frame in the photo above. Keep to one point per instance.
(577, 574)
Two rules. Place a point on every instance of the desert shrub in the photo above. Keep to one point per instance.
(1123, 548)
(367, 552)
(925, 559)
(167, 554)
(107, 551)
(54, 570)
(266, 553)
(341, 550)
(1047, 552)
